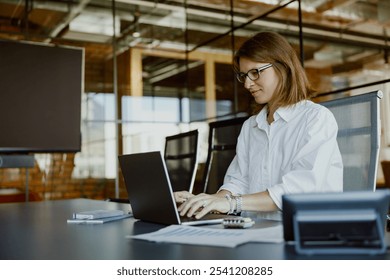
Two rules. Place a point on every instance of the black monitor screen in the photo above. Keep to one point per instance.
(40, 98)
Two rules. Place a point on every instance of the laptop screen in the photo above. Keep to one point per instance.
(148, 187)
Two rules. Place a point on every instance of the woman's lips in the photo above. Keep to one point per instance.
(255, 92)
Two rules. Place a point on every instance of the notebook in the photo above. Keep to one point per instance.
(150, 191)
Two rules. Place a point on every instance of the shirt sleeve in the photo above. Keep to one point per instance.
(317, 164)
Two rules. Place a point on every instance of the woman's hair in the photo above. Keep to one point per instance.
(270, 47)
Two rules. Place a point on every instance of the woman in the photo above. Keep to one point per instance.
(288, 146)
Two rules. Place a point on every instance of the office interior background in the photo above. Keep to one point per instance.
(158, 68)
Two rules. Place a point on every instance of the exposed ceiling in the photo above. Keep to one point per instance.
(340, 36)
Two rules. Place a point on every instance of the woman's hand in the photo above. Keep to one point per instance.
(182, 196)
(202, 204)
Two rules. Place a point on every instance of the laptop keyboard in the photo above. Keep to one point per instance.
(210, 216)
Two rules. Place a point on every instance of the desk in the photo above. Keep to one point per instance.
(39, 231)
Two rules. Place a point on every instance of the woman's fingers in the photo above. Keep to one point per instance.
(196, 207)
(191, 205)
(202, 204)
(182, 196)
(206, 208)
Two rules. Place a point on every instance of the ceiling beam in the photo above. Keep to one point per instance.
(347, 66)
(331, 4)
(74, 12)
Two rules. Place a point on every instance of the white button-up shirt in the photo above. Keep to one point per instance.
(296, 153)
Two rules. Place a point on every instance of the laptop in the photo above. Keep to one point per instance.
(150, 192)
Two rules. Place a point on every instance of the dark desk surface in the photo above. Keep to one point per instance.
(38, 230)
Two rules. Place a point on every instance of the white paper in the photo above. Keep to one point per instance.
(213, 237)
(272, 234)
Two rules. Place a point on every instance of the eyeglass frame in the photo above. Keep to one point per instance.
(258, 72)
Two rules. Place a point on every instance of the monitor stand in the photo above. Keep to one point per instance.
(18, 161)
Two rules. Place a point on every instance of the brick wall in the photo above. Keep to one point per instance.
(56, 182)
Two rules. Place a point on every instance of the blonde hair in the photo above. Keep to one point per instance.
(270, 47)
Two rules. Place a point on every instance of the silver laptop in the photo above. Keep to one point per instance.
(150, 191)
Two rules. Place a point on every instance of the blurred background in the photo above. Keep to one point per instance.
(158, 68)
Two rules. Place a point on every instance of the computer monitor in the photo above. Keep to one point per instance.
(336, 223)
(40, 98)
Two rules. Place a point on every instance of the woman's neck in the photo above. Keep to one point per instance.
(270, 114)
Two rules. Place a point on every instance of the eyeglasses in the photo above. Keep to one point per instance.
(252, 74)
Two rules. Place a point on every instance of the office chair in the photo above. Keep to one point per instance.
(358, 138)
(386, 172)
(181, 158)
(221, 151)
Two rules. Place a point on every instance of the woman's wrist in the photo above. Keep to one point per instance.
(231, 202)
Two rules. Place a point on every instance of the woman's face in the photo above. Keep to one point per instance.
(264, 87)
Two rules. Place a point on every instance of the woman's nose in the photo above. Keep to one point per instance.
(248, 83)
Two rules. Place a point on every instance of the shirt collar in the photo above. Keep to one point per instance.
(285, 113)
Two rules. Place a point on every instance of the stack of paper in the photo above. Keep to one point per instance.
(98, 216)
(213, 237)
